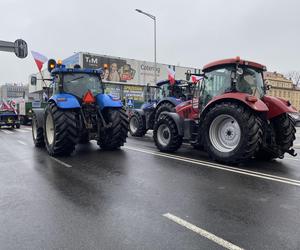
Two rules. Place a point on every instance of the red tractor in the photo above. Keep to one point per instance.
(230, 116)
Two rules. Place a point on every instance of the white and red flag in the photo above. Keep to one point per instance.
(171, 75)
(196, 78)
(39, 59)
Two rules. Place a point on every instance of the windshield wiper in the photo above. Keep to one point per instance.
(75, 79)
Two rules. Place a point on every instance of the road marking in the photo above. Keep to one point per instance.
(290, 158)
(61, 162)
(22, 130)
(7, 132)
(21, 142)
(224, 243)
(221, 167)
(28, 128)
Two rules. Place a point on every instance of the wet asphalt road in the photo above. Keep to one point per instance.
(117, 200)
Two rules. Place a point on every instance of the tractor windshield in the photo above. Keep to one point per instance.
(220, 81)
(79, 83)
(175, 90)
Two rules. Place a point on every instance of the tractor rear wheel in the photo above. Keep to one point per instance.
(166, 106)
(165, 134)
(137, 126)
(37, 133)
(114, 136)
(60, 130)
(232, 133)
(284, 131)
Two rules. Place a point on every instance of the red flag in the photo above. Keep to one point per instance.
(196, 78)
(39, 59)
(171, 75)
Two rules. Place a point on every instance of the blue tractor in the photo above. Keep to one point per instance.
(77, 112)
(162, 97)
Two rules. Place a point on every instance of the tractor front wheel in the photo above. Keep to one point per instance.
(165, 134)
(115, 135)
(60, 130)
(164, 107)
(232, 133)
(137, 126)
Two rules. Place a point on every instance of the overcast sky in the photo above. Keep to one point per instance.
(189, 33)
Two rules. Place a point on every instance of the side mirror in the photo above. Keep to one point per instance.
(33, 80)
(51, 64)
(21, 49)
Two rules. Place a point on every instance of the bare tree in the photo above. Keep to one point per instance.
(294, 76)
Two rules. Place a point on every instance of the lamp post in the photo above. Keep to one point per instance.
(154, 19)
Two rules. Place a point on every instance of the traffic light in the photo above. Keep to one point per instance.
(51, 64)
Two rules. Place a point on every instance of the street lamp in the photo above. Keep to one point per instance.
(154, 19)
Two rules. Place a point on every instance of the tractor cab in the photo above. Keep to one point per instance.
(232, 76)
(76, 81)
(180, 89)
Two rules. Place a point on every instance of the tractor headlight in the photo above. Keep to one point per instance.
(295, 116)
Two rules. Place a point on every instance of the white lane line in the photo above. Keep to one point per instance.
(61, 162)
(21, 142)
(7, 132)
(289, 158)
(224, 243)
(22, 130)
(28, 128)
(221, 167)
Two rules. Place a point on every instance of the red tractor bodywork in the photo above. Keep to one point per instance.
(277, 106)
(190, 110)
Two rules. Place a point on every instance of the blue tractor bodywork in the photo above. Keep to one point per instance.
(171, 95)
(108, 101)
(65, 101)
(78, 111)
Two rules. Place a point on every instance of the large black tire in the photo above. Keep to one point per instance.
(137, 126)
(18, 125)
(64, 130)
(241, 130)
(165, 106)
(115, 136)
(284, 131)
(37, 133)
(165, 134)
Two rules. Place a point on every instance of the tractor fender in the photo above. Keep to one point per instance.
(39, 114)
(177, 119)
(258, 106)
(108, 101)
(65, 101)
(172, 100)
(278, 106)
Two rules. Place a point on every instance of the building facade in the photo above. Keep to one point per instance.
(10, 91)
(283, 88)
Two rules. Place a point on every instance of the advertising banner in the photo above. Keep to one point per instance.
(130, 70)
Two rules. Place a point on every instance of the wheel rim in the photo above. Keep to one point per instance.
(224, 133)
(49, 129)
(134, 123)
(34, 129)
(163, 135)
